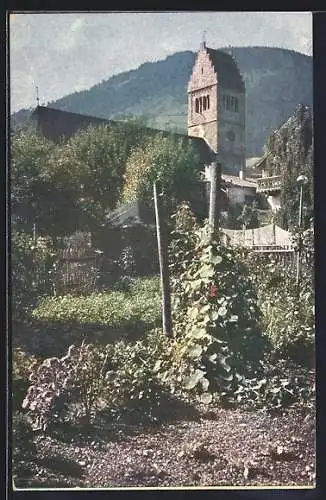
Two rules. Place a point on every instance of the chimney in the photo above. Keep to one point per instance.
(241, 175)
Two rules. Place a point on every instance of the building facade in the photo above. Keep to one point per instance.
(216, 107)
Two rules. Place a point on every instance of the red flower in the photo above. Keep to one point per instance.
(213, 291)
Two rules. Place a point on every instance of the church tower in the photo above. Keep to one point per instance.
(216, 107)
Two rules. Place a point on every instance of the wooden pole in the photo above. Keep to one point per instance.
(215, 195)
(162, 246)
(300, 237)
(34, 232)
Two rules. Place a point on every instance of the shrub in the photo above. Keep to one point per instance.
(32, 267)
(67, 388)
(288, 312)
(22, 366)
(282, 384)
(133, 376)
(121, 376)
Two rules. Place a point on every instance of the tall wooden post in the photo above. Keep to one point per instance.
(162, 245)
(34, 232)
(300, 237)
(215, 195)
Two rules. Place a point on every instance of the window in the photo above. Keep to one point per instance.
(230, 103)
(204, 103)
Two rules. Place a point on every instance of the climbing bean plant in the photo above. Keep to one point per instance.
(216, 318)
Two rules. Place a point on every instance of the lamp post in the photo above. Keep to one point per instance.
(301, 181)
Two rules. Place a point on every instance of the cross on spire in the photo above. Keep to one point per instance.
(203, 43)
(37, 96)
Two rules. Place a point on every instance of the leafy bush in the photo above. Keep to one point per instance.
(121, 376)
(283, 384)
(288, 310)
(67, 388)
(134, 374)
(133, 310)
(32, 268)
(22, 366)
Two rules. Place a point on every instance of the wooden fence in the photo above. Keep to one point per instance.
(77, 267)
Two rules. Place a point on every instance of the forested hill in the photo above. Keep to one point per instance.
(277, 80)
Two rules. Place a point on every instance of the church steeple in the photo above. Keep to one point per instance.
(216, 106)
(203, 42)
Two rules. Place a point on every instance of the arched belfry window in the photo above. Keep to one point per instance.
(197, 106)
(207, 100)
(204, 103)
(200, 105)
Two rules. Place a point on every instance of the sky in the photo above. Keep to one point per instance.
(62, 53)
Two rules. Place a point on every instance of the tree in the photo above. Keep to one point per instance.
(166, 159)
(71, 185)
(291, 154)
(249, 216)
(32, 183)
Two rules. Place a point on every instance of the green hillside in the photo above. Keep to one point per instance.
(277, 80)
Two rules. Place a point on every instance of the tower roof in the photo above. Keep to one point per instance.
(229, 76)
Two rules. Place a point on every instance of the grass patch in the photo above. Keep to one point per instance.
(140, 302)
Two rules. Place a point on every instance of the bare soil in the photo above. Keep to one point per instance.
(215, 447)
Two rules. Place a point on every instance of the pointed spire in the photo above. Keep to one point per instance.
(203, 42)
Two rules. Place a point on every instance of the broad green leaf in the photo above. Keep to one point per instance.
(214, 315)
(216, 260)
(195, 351)
(205, 309)
(222, 311)
(157, 365)
(204, 383)
(212, 358)
(198, 333)
(196, 284)
(224, 364)
(228, 378)
(207, 271)
(192, 381)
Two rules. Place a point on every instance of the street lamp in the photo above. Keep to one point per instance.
(301, 181)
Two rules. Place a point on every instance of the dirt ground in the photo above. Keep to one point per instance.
(215, 447)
